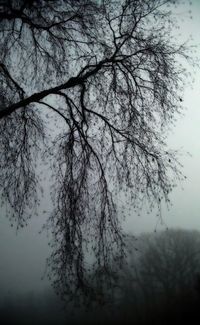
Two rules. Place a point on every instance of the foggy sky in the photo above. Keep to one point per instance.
(23, 255)
(185, 136)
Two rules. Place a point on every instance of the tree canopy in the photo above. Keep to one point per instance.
(89, 88)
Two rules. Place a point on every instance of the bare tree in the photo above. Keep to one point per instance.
(169, 262)
(109, 72)
(161, 277)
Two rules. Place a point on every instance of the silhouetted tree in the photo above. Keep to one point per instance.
(109, 73)
(162, 274)
(159, 284)
(171, 259)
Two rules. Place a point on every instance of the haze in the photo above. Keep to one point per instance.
(23, 254)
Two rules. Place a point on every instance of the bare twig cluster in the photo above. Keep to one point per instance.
(110, 71)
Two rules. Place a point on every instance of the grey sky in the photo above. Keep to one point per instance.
(22, 256)
(185, 136)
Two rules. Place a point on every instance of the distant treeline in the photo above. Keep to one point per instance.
(159, 284)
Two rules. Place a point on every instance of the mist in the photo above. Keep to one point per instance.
(26, 292)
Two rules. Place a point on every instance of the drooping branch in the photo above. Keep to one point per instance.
(111, 72)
